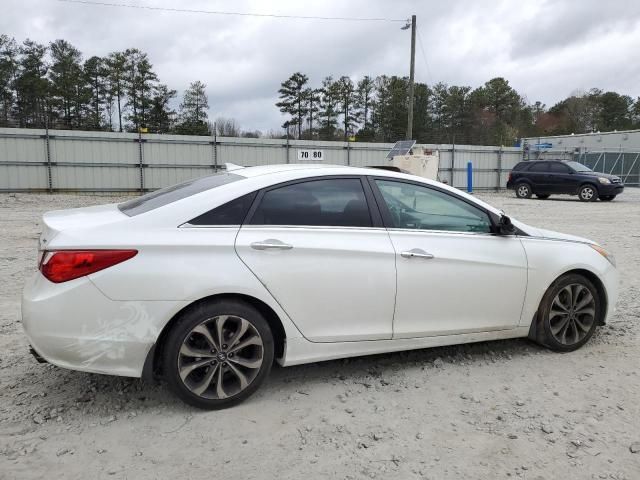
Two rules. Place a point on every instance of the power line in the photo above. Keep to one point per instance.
(424, 56)
(237, 14)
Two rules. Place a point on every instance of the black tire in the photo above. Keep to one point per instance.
(607, 198)
(541, 196)
(231, 313)
(523, 190)
(548, 332)
(588, 193)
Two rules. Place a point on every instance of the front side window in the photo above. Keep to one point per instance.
(422, 208)
(336, 202)
(558, 167)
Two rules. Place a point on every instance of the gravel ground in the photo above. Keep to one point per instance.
(490, 410)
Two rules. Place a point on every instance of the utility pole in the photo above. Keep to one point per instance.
(411, 72)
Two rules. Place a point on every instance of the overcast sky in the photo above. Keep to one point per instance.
(546, 49)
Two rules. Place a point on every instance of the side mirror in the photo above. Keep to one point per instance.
(505, 226)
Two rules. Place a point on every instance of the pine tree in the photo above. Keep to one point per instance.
(115, 64)
(292, 99)
(8, 73)
(161, 116)
(347, 104)
(95, 73)
(329, 108)
(139, 81)
(312, 99)
(32, 88)
(68, 92)
(193, 110)
(364, 99)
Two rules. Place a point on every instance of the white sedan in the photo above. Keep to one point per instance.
(208, 282)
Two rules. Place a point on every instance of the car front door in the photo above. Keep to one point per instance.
(325, 256)
(454, 275)
(560, 178)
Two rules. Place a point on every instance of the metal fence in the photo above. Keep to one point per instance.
(79, 161)
(621, 162)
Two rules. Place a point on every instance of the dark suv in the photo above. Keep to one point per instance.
(550, 177)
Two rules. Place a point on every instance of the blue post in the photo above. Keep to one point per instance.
(469, 177)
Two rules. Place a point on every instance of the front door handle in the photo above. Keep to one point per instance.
(417, 253)
(271, 243)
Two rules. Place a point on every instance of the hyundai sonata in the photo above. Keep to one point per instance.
(209, 282)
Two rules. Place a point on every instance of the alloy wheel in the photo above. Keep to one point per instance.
(572, 314)
(523, 191)
(587, 193)
(220, 357)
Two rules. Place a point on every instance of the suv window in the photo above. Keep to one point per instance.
(338, 202)
(539, 167)
(557, 167)
(231, 213)
(423, 208)
(520, 166)
(171, 194)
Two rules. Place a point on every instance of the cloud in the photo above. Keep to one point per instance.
(545, 49)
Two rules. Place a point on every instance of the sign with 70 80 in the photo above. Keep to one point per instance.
(313, 155)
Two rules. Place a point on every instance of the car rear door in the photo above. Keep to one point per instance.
(322, 252)
(538, 173)
(454, 275)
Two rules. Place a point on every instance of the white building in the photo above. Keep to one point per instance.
(625, 140)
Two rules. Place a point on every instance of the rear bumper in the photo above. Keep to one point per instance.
(74, 325)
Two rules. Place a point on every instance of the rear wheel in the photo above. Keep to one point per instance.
(218, 354)
(542, 197)
(569, 313)
(588, 193)
(523, 190)
(607, 198)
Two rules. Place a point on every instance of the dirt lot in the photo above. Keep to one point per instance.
(491, 410)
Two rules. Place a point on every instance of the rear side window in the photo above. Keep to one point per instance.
(539, 167)
(231, 213)
(171, 194)
(520, 166)
(336, 202)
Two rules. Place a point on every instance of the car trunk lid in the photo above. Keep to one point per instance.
(56, 221)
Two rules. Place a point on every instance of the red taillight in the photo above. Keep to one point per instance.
(65, 265)
(509, 178)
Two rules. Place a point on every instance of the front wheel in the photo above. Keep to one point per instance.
(218, 354)
(569, 313)
(523, 190)
(607, 198)
(588, 193)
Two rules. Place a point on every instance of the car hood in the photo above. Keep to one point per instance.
(550, 234)
(599, 174)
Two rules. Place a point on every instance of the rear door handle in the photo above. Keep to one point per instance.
(271, 243)
(416, 253)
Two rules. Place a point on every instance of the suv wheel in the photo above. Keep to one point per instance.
(588, 193)
(523, 190)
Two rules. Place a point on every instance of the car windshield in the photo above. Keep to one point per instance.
(164, 196)
(578, 167)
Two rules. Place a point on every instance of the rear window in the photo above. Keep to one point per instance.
(165, 196)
